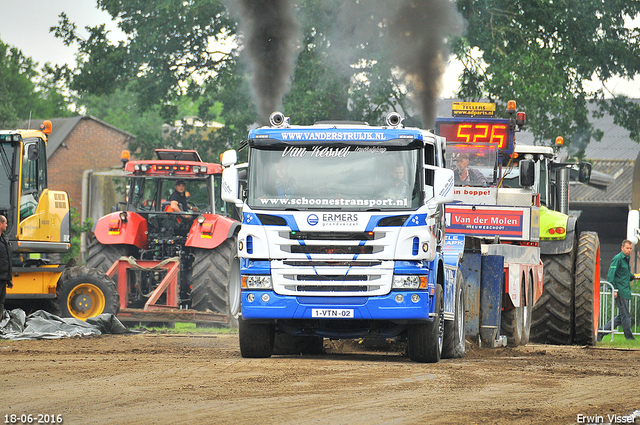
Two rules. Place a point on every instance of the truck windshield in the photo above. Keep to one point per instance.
(152, 194)
(473, 164)
(343, 177)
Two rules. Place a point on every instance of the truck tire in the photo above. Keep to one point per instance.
(454, 341)
(216, 280)
(256, 339)
(512, 324)
(291, 344)
(85, 292)
(527, 313)
(587, 289)
(425, 340)
(102, 257)
(552, 321)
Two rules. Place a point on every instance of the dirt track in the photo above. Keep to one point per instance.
(148, 379)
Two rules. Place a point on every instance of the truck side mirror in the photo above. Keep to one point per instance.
(32, 152)
(231, 185)
(584, 172)
(229, 158)
(633, 223)
(527, 173)
(443, 185)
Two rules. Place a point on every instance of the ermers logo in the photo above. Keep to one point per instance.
(343, 219)
(312, 220)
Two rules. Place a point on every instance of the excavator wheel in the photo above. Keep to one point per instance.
(84, 292)
(216, 280)
(587, 289)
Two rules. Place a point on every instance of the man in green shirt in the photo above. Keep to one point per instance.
(620, 277)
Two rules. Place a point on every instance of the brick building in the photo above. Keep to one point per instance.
(78, 144)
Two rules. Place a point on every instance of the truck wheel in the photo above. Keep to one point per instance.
(587, 289)
(290, 344)
(527, 313)
(512, 323)
(552, 321)
(425, 340)
(256, 339)
(216, 280)
(102, 257)
(454, 342)
(84, 292)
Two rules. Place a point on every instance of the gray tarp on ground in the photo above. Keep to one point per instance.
(16, 325)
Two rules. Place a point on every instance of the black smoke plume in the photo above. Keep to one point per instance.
(271, 34)
(419, 31)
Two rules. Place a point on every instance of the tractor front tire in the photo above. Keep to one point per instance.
(587, 289)
(84, 292)
(216, 280)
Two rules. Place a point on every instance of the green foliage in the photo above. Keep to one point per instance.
(25, 91)
(538, 52)
(541, 53)
(76, 229)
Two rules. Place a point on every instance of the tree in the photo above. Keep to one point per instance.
(27, 92)
(541, 53)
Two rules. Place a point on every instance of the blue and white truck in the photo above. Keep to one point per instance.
(343, 237)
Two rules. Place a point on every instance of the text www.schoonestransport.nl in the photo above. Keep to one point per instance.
(337, 202)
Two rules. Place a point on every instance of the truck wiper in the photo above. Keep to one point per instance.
(5, 163)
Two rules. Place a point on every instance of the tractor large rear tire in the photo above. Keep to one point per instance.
(84, 292)
(216, 280)
(102, 257)
(587, 289)
(552, 321)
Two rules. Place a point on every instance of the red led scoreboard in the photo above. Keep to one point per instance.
(477, 130)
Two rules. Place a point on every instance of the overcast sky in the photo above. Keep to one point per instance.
(26, 24)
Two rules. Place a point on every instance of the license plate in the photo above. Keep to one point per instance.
(332, 313)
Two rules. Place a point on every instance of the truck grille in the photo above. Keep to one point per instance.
(331, 249)
(311, 288)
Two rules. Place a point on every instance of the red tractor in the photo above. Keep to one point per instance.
(166, 258)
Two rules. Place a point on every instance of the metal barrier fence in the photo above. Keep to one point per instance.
(609, 310)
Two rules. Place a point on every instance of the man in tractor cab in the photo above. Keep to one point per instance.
(178, 198)
(465, 176)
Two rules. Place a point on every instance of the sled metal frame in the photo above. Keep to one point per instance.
(169, 284)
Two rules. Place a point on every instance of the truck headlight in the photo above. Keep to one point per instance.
(257, 282)
(409, 282)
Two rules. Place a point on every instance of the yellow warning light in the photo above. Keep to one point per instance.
(511, 106)
(559, 141)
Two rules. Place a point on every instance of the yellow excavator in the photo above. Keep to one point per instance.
(39, 225)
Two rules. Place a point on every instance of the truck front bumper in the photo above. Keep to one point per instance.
(398, 305)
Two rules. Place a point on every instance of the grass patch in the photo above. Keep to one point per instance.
(184, 328)
(619, 341)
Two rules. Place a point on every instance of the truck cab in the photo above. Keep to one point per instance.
(342, 234)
